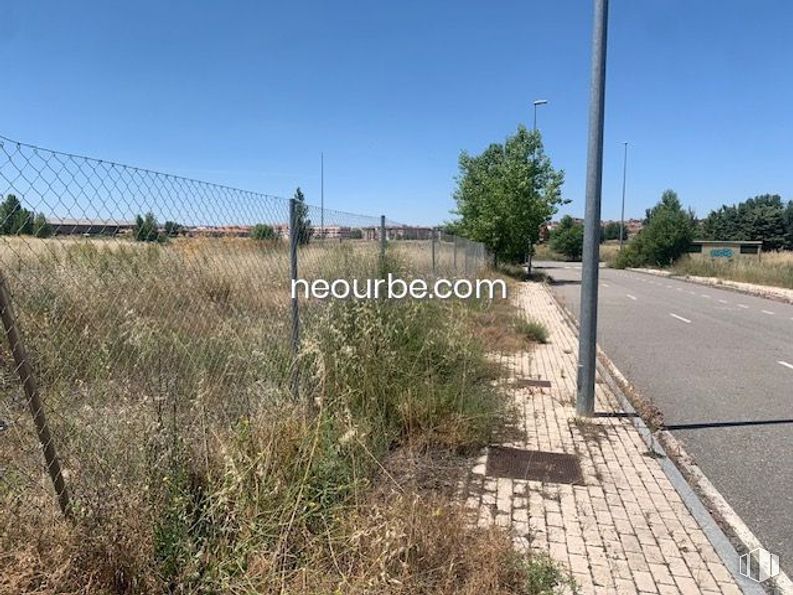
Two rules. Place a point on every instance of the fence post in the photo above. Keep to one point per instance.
(454, 252)
(434, 234)
(295, 342)
(465, 254)
(25, 372)
(382, 243)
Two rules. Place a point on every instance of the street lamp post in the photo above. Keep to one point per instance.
(624, 179)
(537, 103)
(530, 247)
(587, 341)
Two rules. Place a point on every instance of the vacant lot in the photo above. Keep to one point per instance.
(773, 268)
(165, 370)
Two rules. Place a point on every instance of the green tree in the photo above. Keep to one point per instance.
(568, 238)
(506, 193)
(667, 232)
(611, 231)
(41, 229)
(262, 231)
(301, 214)
(172, 229)
(788, 218)
(761, 218)
(14, 219)
(146, 228)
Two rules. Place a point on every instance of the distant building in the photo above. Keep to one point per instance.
(724, 250)
(90, 227)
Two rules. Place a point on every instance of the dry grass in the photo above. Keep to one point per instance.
(773, 268)
(165, 370)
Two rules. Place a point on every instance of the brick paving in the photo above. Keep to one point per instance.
(625, 530)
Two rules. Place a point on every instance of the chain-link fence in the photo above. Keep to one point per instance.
(140, 308)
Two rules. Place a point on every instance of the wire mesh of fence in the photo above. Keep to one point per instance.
(142, 311)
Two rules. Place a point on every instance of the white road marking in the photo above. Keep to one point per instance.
(670, 287)
(742, 306)
(705, 295)
(692, 292)
(680, 289)
(633, 297)
(768, 312)
(787, 365)
(605, 284)
(723, 302)
(680, 318)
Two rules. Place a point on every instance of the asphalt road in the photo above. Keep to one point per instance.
(719, 365)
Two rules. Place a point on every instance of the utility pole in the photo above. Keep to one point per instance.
(587, 342)
(624, 179)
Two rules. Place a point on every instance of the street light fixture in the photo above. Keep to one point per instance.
(537, 103)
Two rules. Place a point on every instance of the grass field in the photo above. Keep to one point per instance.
(166, 370)
(773, 268)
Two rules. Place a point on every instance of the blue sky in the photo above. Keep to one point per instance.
(249, 93)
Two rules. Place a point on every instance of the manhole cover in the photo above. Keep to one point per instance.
(536, 465)
(522, 382)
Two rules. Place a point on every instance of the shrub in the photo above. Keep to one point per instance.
(667, 232)
(172, 228)
(146, 228)
(41, 229)
(532, 329)
(262, 231)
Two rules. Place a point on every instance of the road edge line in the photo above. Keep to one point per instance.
(701, 498)
(704, 282)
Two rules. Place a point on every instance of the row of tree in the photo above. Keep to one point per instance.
(17, 220)
(765, 218)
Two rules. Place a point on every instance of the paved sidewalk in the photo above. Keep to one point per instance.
(626, 529)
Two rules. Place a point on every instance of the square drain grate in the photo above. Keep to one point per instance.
(535, 465)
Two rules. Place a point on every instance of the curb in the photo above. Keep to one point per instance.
(706, 282)
(702, 499)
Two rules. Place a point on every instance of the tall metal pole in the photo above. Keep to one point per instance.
(537, 103)
(293, 242)
(587, 342)
(382, 243)
(322, 195)
(530, 245)
(624, 179)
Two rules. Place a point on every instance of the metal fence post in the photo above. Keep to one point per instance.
(382, 243)
(434, 234)
(25, 372)
(295, 343)
(587, 354)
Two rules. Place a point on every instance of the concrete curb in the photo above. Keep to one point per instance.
(700, 498)
(761, 292)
